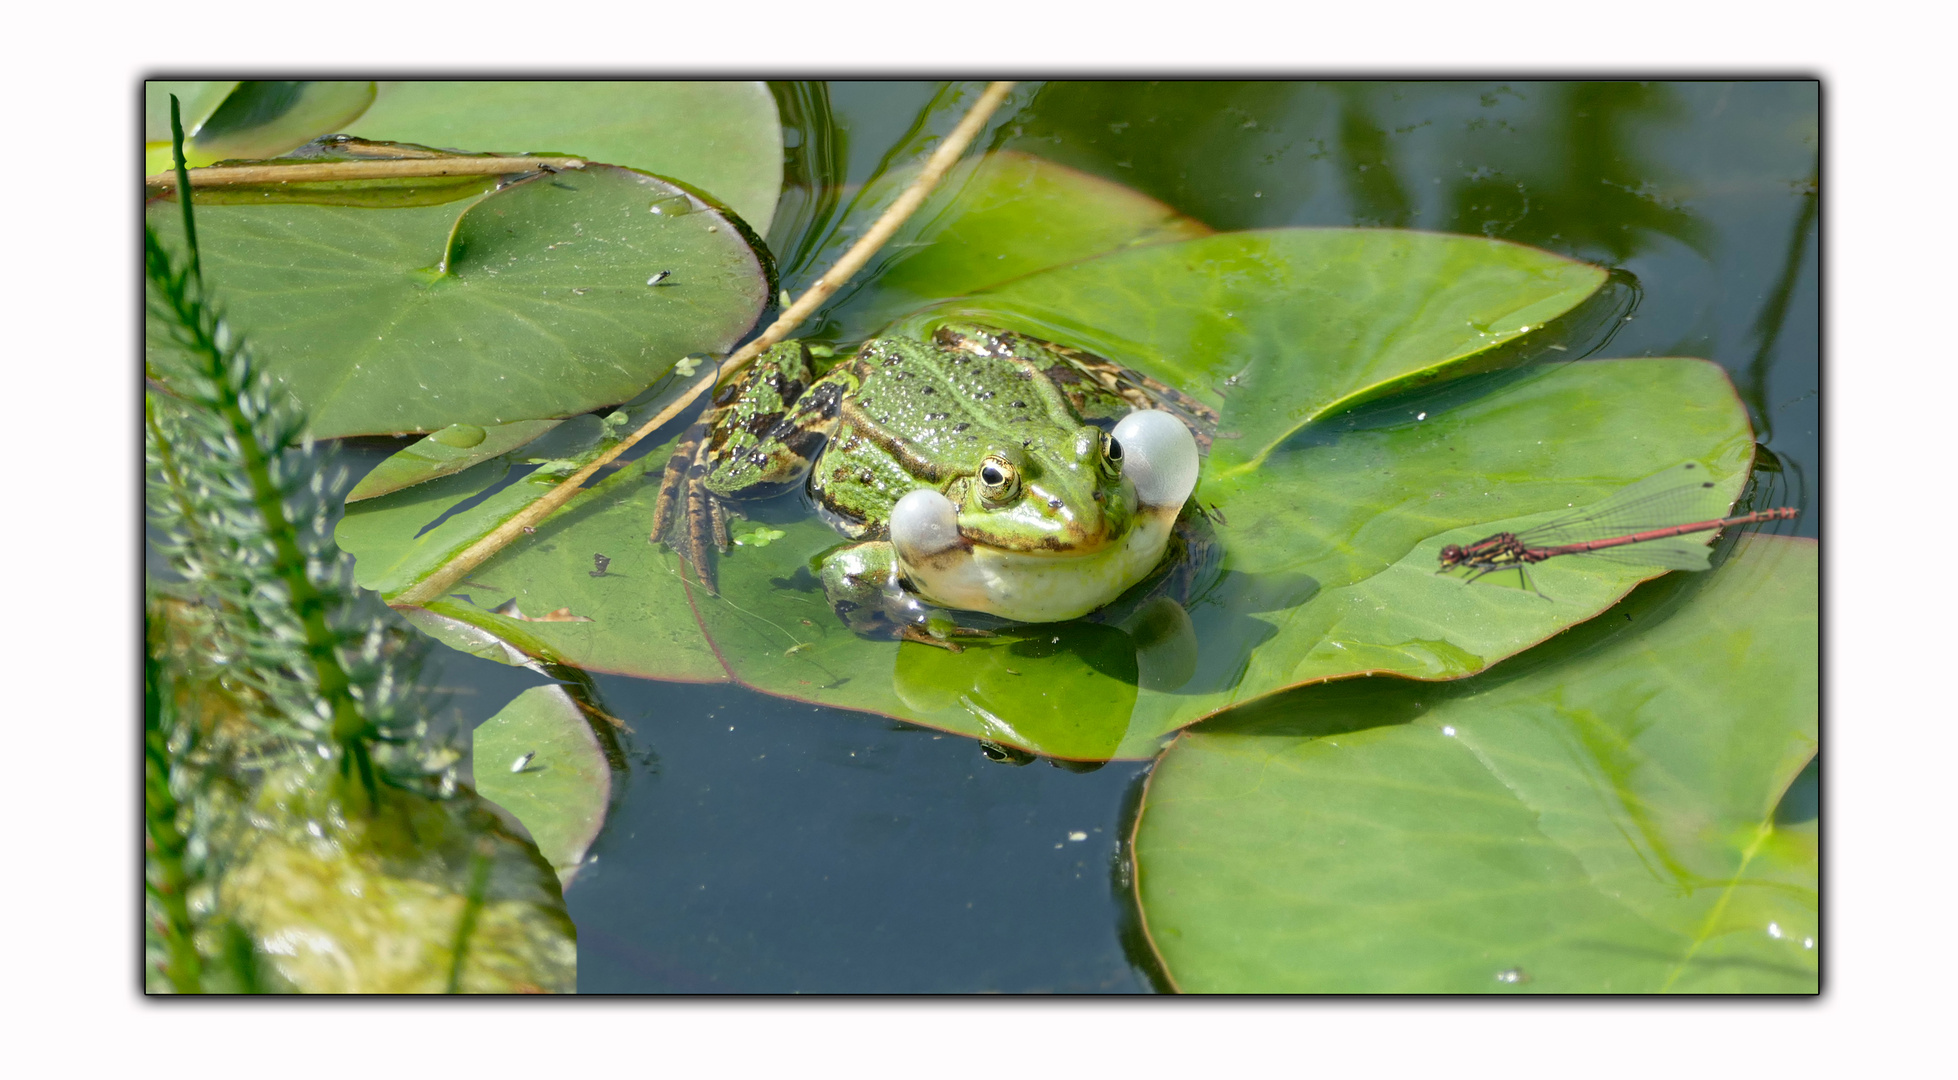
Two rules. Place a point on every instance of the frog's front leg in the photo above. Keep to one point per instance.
(863, 586)
(754, 442)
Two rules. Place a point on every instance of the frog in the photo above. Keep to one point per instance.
(979, 470)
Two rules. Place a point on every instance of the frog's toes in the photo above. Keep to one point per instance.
(1159, 456)
(914, 632)
(941, 625)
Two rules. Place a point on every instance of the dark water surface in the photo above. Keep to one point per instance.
(768, 846)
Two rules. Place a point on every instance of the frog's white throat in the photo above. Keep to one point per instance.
(947, 569)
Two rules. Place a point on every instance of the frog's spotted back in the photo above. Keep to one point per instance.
(942, 412)
(1101, 391)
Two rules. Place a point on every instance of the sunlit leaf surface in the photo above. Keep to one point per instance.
(551, 296)
(1285, 326)
(1596, 817)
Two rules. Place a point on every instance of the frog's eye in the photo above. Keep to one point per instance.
(999, 481)
(1111, 454)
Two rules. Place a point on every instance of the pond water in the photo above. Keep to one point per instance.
(761, 845)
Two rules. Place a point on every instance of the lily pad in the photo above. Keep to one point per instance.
(550, 296)
(1351, 594)
(990, 220)
(539, 759)
(722, 138)
(1596, 817)
(1321, 564)
(1327, 571)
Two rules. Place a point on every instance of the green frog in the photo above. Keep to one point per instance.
(983, 470)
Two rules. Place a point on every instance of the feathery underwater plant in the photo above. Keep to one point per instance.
(289, 776)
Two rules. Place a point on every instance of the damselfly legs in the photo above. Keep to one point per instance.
(1644, 524)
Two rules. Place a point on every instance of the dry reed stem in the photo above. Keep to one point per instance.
(236, 175)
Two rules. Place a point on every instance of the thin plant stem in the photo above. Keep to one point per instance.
(236, 175)
(182, 173)
(443, 579)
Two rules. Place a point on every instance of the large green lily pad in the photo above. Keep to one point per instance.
(1339, 544)
(1321, 563)
(1596, 817)
(550, 296)
(722, 138)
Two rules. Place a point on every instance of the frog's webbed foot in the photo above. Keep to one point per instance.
(939, 636)
(914, 632)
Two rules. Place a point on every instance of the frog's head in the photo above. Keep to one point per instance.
(1051, 529)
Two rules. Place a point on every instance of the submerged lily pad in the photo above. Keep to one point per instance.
(551, 296)
(1596, 817)
(372, 903)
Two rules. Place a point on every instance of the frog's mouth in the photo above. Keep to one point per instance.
(1038, 586)
(954, 570)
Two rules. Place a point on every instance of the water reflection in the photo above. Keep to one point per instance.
(1768, 325)
(1367, 155)
(1564, 166)
(814, 160)
(1601, 197)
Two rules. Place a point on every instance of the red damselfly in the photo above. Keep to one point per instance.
(1649, 523)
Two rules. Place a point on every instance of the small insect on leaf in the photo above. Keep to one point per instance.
(793, 649)
(601, 562)
(659, 277)
(522, 762)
